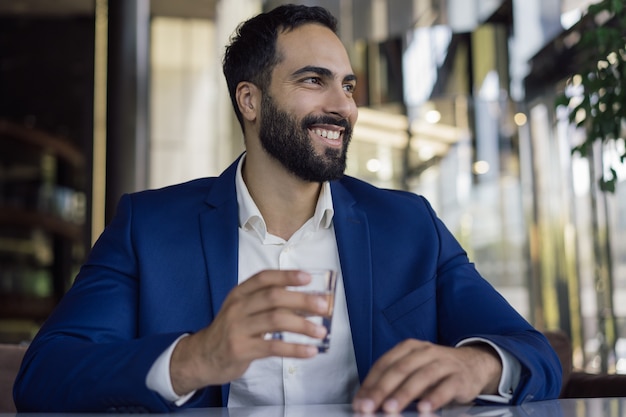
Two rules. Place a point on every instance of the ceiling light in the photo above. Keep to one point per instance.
(520, 119)
(481, 167)
(373, 165)
(432, 116)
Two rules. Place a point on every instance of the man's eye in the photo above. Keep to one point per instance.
(312, 80)
(349, 88)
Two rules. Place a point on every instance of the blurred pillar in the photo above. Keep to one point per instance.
(127, 99)
(98, 187)
(229, 14)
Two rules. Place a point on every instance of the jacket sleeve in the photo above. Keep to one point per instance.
(87, 355)
(468, 306)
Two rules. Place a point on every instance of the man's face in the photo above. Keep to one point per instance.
(308, 112)
(287, 139)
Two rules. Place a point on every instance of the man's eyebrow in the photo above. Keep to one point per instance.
(322, 72)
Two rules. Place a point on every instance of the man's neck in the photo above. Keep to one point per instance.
(285, 201)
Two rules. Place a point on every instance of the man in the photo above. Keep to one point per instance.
(173, 305)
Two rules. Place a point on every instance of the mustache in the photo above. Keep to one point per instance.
(326, 120)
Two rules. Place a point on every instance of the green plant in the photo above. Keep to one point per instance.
(596, 92)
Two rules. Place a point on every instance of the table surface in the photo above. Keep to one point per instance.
(590, 407)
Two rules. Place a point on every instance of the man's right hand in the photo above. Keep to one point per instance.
(262, 304)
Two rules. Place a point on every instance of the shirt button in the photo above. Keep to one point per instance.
(291, 370)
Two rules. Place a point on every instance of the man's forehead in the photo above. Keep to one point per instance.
(313, 45)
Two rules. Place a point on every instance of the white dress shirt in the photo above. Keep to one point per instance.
(329, 377)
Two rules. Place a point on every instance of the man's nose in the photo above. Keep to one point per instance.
(340, 103)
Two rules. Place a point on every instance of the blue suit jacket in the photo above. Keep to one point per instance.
(165, 263)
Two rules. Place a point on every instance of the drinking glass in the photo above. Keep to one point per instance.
(324, 283)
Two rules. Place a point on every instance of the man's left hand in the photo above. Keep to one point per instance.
(436, 375)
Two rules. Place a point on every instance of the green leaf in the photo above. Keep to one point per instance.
(617, 6)
(561, 100)
(582, 149)
(601, 108)
(594, 9)
(609, 184)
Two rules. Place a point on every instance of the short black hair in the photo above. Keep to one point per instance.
(251, 53)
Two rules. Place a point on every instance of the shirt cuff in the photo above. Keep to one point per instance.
(160, 380)
(511, 372)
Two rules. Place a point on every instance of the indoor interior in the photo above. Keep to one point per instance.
(457, 103)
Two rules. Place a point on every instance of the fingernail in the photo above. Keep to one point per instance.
(320, 331)
(365, 405)
(303, 277)
(322, 304)
(312, 350)
(424, 407)
(390, 406)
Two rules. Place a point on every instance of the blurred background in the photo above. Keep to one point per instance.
(456, 98)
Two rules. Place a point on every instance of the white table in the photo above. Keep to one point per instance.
(592, 407)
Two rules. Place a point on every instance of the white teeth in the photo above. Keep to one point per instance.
(329, 134)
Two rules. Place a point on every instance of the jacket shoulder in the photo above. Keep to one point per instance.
(368, 195)
(199, 185)
(188, 193)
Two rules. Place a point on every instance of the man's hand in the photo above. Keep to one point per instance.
(223, 351)
(436, 375)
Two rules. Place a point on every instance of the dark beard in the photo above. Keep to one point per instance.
(289, 143)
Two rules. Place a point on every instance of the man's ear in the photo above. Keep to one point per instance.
(248, 100)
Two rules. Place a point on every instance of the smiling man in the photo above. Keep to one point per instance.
(172, 308)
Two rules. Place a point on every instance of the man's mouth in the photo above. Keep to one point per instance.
(332, 134)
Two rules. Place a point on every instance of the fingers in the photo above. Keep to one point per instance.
(267, 290)
(282, 320)
(269, 278)
(262, 304)
(394, 380)
(450, 389)
(436, 375)
(267, 299)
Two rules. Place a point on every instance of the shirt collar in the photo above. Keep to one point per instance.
(250, 218)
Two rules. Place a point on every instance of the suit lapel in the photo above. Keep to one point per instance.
(220, 241)
(354, 245)
(219, 231)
